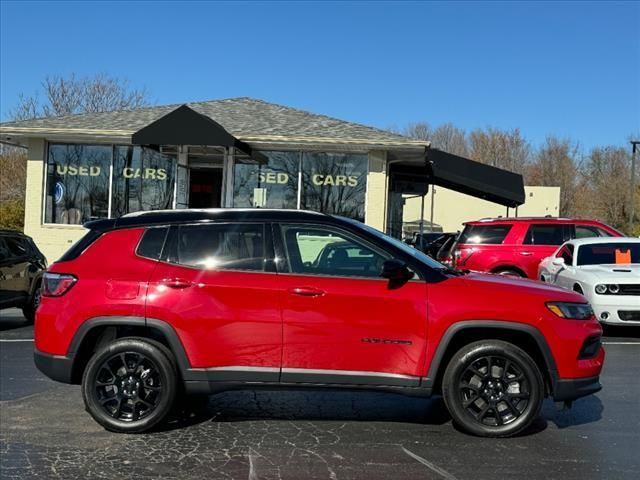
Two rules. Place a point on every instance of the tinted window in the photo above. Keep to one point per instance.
(567, 254)
(143, 179)
(320, 250)
(545, 234)
(80, 246)
(152, 242)
(584, 231)
(220, 246)
(609, 253)
(274, 185)
(334, 183)
(77, 183)
(484, 234)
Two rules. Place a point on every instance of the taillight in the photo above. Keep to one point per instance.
(57, 284)
(462, 255)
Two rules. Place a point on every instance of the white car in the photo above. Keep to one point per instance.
(605, 270)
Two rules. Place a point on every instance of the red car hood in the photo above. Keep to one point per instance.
(504, 284)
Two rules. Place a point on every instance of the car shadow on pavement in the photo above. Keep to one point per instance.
(346, 405)
(620, 331)
(308, 405)
(11, 322)
(584, 410)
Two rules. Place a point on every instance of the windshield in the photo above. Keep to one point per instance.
(614, 253)
(422, 257)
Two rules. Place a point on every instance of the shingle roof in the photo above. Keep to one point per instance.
(245, 118)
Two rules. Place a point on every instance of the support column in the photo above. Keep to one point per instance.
(377, 190)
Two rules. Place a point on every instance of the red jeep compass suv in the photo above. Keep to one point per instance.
(516, 246)
(210, 300)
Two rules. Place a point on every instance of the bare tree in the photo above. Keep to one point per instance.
(418, 130)
(69, 95)
(451, 139)
(556, 164)
(500, 148)
(59, 96)
(13, 174)
(606, 183)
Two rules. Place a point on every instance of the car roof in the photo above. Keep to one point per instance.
(596, 240)
(160, 217)
(530, 219)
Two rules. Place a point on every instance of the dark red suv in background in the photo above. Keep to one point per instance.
(516, 246)
(211, 300)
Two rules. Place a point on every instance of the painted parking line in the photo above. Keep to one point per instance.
(621, 343)
(10, 340)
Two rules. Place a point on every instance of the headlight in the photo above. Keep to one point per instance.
(610, 289)
(574, 311)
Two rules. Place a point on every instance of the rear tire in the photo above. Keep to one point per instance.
(510, 272)
(29, 310)
(492, 389)
(129, 386)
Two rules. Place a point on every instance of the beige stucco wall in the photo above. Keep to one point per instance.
(452, 209)
(52, 240)
(376, 197)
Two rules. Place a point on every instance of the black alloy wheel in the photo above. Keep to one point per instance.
(129, 386)
(493, 388)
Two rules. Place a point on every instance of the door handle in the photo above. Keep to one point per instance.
(526, 254)
(306, 291)
(177, 283)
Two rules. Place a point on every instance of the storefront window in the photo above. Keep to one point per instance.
(143, 179)
(274, 185)
(77, 183)
(334, 183)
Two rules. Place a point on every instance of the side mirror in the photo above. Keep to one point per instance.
(558, 262)
(396, 271)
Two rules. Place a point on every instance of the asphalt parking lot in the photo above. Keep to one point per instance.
(45, 432)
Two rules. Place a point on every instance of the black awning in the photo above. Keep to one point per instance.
(185, 126)
(475, 178)
(465, 176)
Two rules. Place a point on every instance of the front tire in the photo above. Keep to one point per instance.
(129, 386)
(492, 389)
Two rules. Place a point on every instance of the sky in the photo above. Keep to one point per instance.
(570, 69)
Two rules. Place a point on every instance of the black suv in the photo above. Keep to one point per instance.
(21, 268)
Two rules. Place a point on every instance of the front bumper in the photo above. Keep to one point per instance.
(572, 388)
(613, 305)
(56, 367)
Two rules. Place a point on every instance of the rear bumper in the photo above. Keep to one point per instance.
(573, 388)
(56, 367)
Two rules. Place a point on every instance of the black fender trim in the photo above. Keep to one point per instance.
(456, 328)
(116, 321)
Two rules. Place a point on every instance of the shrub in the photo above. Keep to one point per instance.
(12, 215)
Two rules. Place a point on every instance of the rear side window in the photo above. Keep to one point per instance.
(80, 246)
(547, 234)
(587, 231)
(220, 246)
(484, 234)
(152, 242)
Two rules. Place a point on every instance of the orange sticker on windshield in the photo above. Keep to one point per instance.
(623, 256)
